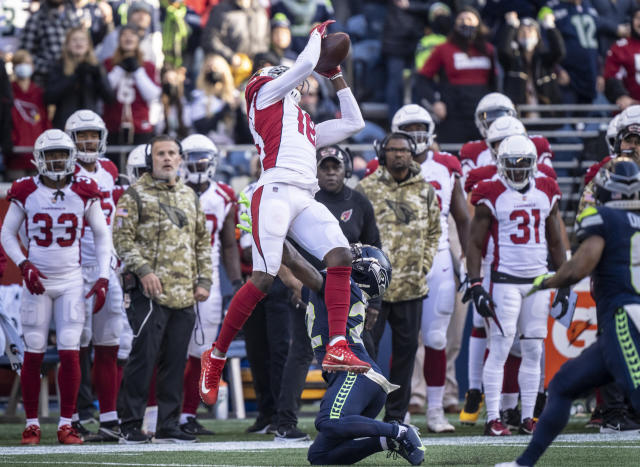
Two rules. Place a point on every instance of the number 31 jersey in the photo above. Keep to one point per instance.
(54, 224)
(518, 227)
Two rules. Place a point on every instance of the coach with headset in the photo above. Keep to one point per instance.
(408, 217)
(161, 237)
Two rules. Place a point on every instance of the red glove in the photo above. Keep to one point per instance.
(32, 277)
(322, 28)
(99, 289)
(332, 73)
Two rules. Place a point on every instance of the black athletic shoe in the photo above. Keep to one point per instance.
(82, 431)
(541, 401)
(108, 432)
(193, 427)
(290, 433)
(132, 435)
(261, 427)
(408, 445)
(172, 436)
(617, 421)
(511, 418)
(596, 418)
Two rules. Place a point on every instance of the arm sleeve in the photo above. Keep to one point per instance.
(148, 89)
(275, 90)
(203, 251)
(102, 239)
(336, 130)
(432, 235)
(124, 234)
(9, 236)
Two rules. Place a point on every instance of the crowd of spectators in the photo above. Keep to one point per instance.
(179, 67)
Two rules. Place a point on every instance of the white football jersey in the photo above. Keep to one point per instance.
(441, 171)
(285, 137)
(216, 203)
(105, 176)
(518, 227)
(54, 224)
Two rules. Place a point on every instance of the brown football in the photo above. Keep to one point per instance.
(333, 51)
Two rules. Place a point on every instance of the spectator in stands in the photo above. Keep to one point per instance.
(466, 70)
(28, 113)
(316, 104)
(281, 39)
(302, 15)
(578, 23)
(173, 102)
(96, 17)
(212, 106)
(614, 17)
(139, 16)
(438, 28)
(135, 85)
(406, 210)
(620, 69)
(234, 27)
(77, 81)
(403, 27)
(6, 120)
(528, 63)
(44, 34)
(175, 32)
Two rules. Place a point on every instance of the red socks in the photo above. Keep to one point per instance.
(191, 381)
(435, 366)
(242, 304)
(68, 381)
(511, 368)
(105, 376)
(337, 291)
(30, 382)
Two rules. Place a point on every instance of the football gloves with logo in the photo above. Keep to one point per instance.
(99, 289)
(322, 28)
(32, 276)
(482, 300)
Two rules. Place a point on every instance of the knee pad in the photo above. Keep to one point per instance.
(35, 341)
(277, 222)
(436, 339)
(69, 338)
(499, 349)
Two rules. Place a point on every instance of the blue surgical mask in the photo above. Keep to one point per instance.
(23, 70)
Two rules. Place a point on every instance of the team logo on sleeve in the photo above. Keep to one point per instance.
(346, 215)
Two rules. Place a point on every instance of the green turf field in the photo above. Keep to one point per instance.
(231, 446)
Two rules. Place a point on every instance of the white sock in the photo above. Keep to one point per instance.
(336, 339)
(529, 375)
(63, 421)
(509, 400)
(75, 417)
(216, 357)
(108, 416)
(383, 443)
(401, 429)
(435, 394)
(184, 416)
(493, 374)
(542, 371)
(150, 419)
(32, 421)
(477, 347)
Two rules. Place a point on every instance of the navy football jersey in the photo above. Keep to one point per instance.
(616, 278)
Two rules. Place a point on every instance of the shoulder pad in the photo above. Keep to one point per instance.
(547, 171)
(226, 192)
(21, 189)
(586, 212)
(488, 190)
(85, 188)
(549, 186)
(450, 161)
(109, 167)
(472, 149)
(254, 86)
(593, 170)
(478, 175)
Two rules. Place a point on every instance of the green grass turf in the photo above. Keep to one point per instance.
(467, 448)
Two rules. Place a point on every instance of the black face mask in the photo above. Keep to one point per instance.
(213, 77)
(465, 31)
(441, 24)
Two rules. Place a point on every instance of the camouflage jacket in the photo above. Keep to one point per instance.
(161, 229)
(408, 217)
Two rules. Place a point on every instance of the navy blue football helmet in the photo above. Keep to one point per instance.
(619, 185)
(371, 269)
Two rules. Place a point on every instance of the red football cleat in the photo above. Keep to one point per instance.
(31, 435)
(210, 373)
(68, 435)
(496, 428)
(339, 357)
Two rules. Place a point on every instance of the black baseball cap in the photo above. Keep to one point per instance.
(330, 152)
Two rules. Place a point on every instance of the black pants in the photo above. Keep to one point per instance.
(163, 341)
(295, 369)
(404, 319)
(84, 405)
(267, 342)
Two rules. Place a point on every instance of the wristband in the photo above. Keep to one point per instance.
(336, 76)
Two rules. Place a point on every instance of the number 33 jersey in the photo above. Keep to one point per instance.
(518, 227)
(54, 224)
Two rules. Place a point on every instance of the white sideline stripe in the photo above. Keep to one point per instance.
(569, 440)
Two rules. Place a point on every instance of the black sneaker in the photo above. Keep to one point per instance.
(409, 445)
(261, 427)
(617, 421)
(290, 433)
(82, 431)
(193, 427)
(511, 418)
(172, 436)
(596, 418)
(132, 435)
(541, 401)
(108, 432)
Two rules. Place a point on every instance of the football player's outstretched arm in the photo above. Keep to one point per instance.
(351, 121)
(276, 89)
(102, 238)
(581, 264)
(9, 236)
(479, 230)
(301, 268)
(555, 240)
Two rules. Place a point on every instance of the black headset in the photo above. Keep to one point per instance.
(380, 147)
(148, 160)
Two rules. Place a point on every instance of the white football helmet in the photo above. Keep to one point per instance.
(200, 158)
(54, 140)
(413, 113)
(136, 163)
(87, 120)
(501, 128)
(612, 132)
(517, 160)
(274, 72)
(490, 107)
